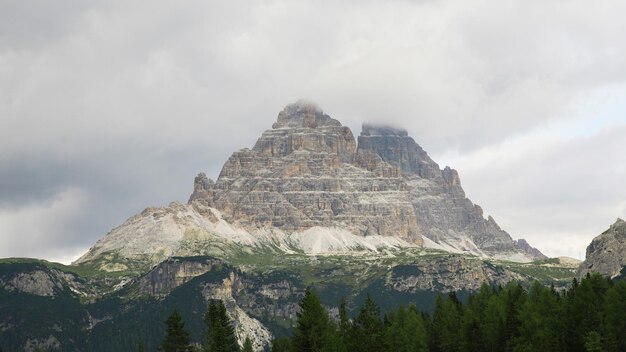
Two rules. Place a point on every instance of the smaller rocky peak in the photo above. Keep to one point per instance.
(202, 182)
(618, 225)
(370, 129)
(303, 114)
(397, 148)
(451, 176)
(528, 249)
(203, 190)
(606, 254)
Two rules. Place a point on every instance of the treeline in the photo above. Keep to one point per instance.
(590, 316)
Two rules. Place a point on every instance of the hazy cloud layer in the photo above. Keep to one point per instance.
(108, 107)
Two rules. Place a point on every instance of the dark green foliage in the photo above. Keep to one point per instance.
(593, 342)
(281, 344)
(446, 325)
(615, 318)
(176, 338)
(219, 335)
(367, 330)
(405, 331)
(247, 346)
(493, 319)
(539, 316)
(314, 331)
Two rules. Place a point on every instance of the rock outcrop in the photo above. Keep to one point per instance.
(607, 253)
(530, 250)
(447, 274)
(302, 174)
(445, 215)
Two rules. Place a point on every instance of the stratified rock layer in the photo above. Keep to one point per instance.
(302, 174)
(607, 253)
(444, 213)
(306, 186)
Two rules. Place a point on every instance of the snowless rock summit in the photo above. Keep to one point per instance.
(306, 185)
(607, 252)
(308, 171)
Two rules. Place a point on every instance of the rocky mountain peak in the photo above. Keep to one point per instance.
(532, 251)
(395, 147)
(607, 252)
(303, 128)
(619, 224)
(370, 129)
(303, 114)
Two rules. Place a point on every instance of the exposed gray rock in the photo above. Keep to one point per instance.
(302, 174)
(172, 273)
(42, 344)
(445, 215)
(37, 282)
(532, 251)
(607, 253)
(451, 273)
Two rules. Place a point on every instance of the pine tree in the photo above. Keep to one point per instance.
(176, 339)
(583, 307)
(366, 331)
(446, 324)
(593, 342)
(281, 344)
(540, 318)
(247, 346)
(313, 331)
(615, 317)
(343, 318)
(219, 333)
(405, 331)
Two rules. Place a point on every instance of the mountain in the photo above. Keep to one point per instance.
(307, 206)
(607, 252)
(306, 186)
(445, 215)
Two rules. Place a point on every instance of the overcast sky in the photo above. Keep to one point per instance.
(107, 107)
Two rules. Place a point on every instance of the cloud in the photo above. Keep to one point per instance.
(556, 192)
(128, 101)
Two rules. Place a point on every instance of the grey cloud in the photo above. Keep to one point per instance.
(125, 102)
(556, 193)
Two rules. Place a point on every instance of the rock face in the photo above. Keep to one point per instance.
(530, 250)
(307, 186)
(302, 174)
(172, 273)
(446, 274)
(38, 280)
(444, 213)
(607, 253)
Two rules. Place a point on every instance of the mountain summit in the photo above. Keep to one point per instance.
(306, 185)
(607, 252)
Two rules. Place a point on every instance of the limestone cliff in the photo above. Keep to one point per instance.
(302, 174)
(607, 253)
(445, 215)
